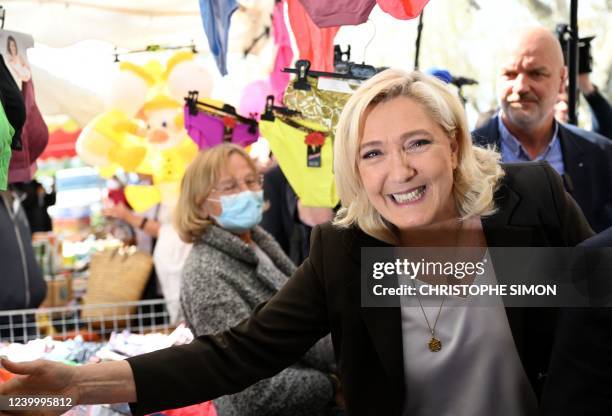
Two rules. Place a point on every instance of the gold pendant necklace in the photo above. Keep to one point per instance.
(434, 343)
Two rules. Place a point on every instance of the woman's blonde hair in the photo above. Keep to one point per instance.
(198, 182)
(478, 172)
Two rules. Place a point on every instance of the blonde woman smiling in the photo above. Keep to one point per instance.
(407, 175)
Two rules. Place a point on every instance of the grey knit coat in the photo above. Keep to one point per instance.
(223, 281)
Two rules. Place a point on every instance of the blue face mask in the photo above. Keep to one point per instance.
(240, 212)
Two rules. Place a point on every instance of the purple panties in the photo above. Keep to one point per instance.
(208, 129)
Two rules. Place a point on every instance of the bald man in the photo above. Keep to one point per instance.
(524, 129)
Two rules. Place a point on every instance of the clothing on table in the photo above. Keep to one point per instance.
(431, 385)
(315, 44)
(12, 101)
(308, 168)
(6, 137)
(209, 129)
(201, 409)
(284, 53)
(320, 106)
(224, 279)
(324, 295)
(216, 15)
(587, 167)
(76, 351)
(34, 139)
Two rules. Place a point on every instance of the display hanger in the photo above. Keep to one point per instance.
(365, 49)
(2, 16)
(156, 48)
(358, 72)
(193, 104)
(342, 59)
(285, 115)
(270, 109)
(345, 69)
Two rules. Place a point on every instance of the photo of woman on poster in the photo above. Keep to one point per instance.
(18, 65)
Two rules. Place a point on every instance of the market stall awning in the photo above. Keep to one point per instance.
(132, 24)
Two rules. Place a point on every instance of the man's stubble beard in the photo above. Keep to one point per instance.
(521, 119)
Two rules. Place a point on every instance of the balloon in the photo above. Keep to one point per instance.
(143, 131)
(110, 138)
(93, 147)
(142, 197)
(253, 101)
(129, 90)
(188, 76)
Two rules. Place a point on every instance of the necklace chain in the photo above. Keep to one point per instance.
(432, 330)
(435, 344)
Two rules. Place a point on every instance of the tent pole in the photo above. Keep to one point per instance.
(418, 41)
(572, 63)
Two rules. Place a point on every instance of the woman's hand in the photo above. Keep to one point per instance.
(41, 378)
(119, 211)
(108, 382)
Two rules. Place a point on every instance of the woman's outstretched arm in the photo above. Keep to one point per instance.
(110, 382)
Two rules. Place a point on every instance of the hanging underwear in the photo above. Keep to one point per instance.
(308, 168)
(325, 13)
(284, 54)
(320, 106)
(34, 139)
(402, 9)
(314, 43)
(354, 12)
(208, 129)
(216, 16)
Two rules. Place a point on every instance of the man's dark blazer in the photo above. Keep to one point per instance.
(324, 296)
(580, 376)
(588, 170)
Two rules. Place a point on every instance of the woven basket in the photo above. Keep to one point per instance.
(116, 276)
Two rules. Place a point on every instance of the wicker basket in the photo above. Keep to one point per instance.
(115, 276)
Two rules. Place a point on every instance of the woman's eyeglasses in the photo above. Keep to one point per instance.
(233, 186)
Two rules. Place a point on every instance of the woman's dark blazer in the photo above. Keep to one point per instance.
(324, 295)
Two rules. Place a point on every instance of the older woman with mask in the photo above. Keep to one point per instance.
(407, 175)
(235, 265)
